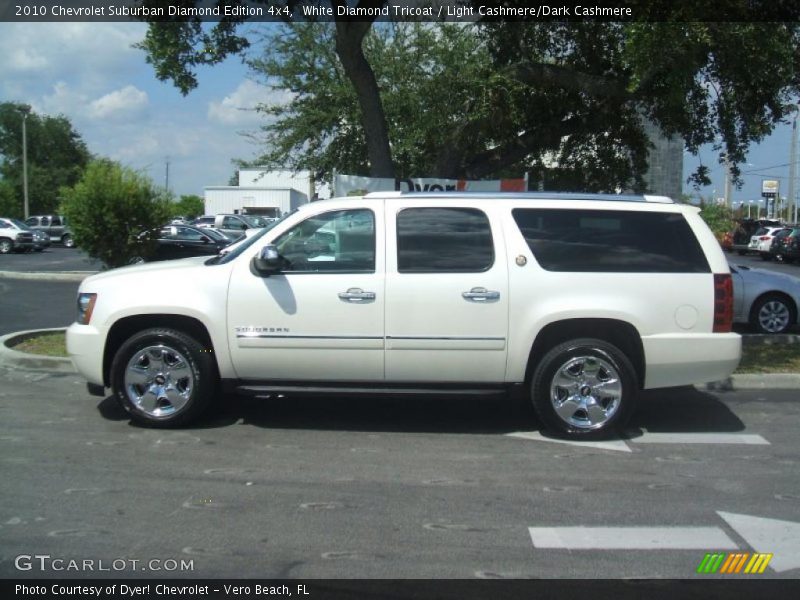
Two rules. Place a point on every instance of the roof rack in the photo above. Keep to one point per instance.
(526, 196)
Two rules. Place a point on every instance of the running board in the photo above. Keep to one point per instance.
(266, 390)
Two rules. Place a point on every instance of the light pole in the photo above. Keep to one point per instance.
(26, 110)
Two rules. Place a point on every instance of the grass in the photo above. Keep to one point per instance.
(756, 358)
(48, 344)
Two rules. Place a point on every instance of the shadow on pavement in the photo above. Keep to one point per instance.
(673, 410)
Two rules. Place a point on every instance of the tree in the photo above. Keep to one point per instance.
(56, 155)
(110, 207)
(571, 93)
(177, 47)
(188, 206)
(10, 203)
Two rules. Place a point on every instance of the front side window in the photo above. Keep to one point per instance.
(443, 240)
(340, 241)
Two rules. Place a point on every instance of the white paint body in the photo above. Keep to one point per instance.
(419, 328)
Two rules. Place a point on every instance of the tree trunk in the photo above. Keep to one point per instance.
(349, 36)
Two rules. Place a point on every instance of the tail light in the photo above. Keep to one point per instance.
(764, 238)
(723, 303)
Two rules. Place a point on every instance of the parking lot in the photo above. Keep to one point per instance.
(307, 487)
(412, 488)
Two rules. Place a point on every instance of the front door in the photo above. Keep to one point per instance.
(321, 318)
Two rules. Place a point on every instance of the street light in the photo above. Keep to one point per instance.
(25, 110)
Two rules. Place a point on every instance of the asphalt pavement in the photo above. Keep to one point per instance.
(402, 488)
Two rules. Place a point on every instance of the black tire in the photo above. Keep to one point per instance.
(153, 356)
(567, 361)
(6, 246)
(773, 314)
(67, 240)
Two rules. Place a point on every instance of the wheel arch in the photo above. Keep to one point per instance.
(621, 334)
(128, 326)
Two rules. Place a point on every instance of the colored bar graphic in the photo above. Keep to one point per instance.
(733, 563)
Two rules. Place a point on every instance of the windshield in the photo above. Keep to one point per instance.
(222, 259)
(19, 224)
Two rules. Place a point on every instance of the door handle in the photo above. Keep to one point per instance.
(480, 294)
(356, 295)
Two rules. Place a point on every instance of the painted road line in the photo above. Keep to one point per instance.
(779, 538)
(616, 445)
(699, 438)
(631, 538)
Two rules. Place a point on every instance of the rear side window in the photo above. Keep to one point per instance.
(443, 240)
(600, 241)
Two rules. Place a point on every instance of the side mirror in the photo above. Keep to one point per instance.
(267, 261)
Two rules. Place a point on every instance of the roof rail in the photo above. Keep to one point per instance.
(526, 196)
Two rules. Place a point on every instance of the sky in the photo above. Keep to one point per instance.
(92, 74)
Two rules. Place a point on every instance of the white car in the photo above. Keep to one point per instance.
(762, 240)
(577, 300)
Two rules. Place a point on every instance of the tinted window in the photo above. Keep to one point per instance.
(443, 240)
(338, 241)
(611, 241)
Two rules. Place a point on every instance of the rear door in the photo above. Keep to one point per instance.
(446, 293)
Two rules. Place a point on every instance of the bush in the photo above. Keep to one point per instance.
(109, 208)
(719, 218)
(188, 206)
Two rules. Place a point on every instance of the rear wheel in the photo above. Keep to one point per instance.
(68, 241)
(584, 387)
(163, 377)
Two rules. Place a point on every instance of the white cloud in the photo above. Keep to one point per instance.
(120, 103)
(238, 107)
(63, 100)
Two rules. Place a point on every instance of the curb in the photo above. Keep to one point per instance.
(36, 362)
(32, 362)
(47, 276)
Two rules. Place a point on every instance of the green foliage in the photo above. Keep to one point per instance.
(108, 209)
(10, 203)
(718, 217)
(56, 156)
(188, 206)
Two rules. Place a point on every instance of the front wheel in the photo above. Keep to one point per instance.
(6, 246)
(584, 387)
(163, 377)
(772, 314)
(68, 241)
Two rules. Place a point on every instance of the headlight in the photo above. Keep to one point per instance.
(85, 307)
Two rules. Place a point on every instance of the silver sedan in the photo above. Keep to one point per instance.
(765, 299)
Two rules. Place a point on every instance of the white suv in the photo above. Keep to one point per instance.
(580, 300)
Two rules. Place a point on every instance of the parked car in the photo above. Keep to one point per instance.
(787, 246)
(762, 240)
(55, 226)
(234, 226)
(578, 301)
(767, 300)
(15, 236)
(776, 247)
(745, 230)
(40, 240)
(183, 241)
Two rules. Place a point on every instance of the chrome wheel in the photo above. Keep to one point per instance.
(774, 316)
(158, 380)
(585, 392)
(5, 246)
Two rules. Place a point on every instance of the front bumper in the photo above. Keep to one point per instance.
(85, 346)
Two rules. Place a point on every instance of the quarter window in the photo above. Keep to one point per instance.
(611, 241)
(341, 241)
(443, 240)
